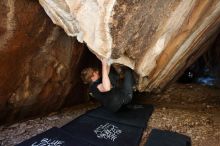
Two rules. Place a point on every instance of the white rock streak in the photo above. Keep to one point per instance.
(88, 20)
(9, 23)
(185, 47)
(173, 24)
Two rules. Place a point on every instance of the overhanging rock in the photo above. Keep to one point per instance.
(156, 38)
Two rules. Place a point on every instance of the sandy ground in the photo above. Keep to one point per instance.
(18, 132)
(192, 110)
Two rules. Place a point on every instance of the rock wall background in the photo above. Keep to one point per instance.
(39, 63)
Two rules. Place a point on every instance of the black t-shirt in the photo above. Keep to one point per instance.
(102, 96)
(106, 98)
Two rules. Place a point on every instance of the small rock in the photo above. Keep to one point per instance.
(21, 131)
(189, 131)
(29, 126)
(14, 125)
(53, 118)
(22, 125)
(2, 138)
(208, 106)
(40, 130)
(164, 118)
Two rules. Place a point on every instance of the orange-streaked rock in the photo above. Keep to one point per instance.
(38, 61)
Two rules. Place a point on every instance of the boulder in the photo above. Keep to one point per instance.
(39, 63)
(158, 39)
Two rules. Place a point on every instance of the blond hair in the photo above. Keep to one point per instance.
(87, 73)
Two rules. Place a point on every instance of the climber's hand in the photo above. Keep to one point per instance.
(104, 61)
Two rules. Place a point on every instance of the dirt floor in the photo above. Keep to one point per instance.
(192, 110)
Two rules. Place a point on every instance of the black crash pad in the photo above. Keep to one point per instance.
(134, 115)
(167, 138)
(54, 137)
(101, 132)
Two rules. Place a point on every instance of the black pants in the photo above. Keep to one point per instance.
(123, 93)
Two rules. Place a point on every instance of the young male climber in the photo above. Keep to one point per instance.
(106, 88)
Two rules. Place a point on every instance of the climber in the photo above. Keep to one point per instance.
(107, 87)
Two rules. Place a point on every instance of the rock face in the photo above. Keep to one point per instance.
(156, 38)
(38, 61)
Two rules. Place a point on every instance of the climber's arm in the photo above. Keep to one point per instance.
(106, 83)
